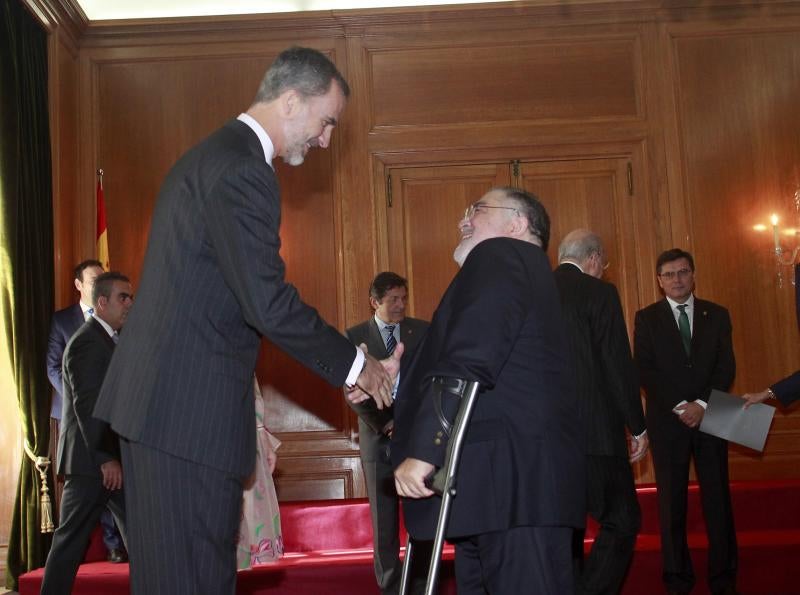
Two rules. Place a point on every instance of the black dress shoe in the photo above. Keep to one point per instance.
(116, 556)
(729, 590)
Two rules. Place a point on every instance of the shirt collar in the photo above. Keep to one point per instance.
(263, 137)
(382, 325)
(85, 308)
(689, 303)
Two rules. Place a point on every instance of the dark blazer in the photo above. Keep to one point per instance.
(667, 374)
(181, 380)
(606, 378)
(411, 332)
(64, 324)
(499, 323)
(788, 389)
(85, 442)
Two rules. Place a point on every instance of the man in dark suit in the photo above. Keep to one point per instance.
(388, 296)
(521, 482)
(65, 323)
(683, 349)
(608, 397)
(180, 386)
(88, 451)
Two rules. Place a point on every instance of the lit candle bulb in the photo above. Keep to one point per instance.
(774, 220)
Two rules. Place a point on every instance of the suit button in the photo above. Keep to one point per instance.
(437, 442)
(439, 434)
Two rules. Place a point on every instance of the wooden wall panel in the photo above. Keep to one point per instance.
(740, 131)
(529, 82)
(697, 96)
(148, 114)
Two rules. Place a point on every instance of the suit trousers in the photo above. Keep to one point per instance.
(82, 501)
(384, 508)
(385, 511)
(165, 494)
(517, 560)
(611, 501)
(671, 455)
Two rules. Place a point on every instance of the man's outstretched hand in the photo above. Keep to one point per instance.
(389, 366)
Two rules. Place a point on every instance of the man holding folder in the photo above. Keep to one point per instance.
(683, 349)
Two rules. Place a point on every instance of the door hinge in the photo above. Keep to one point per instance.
(515, 172)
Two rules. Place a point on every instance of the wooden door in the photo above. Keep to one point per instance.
(428, 202)
(422, 219)
(595, 194)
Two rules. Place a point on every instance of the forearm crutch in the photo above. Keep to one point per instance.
(444, 483)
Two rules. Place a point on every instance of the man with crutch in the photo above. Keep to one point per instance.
(520, 484)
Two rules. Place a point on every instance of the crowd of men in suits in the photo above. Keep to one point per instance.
(559, 386)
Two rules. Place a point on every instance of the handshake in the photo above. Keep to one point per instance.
(377, 379)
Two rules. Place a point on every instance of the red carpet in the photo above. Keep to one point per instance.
(328, 547)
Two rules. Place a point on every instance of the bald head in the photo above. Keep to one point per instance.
(584, 248)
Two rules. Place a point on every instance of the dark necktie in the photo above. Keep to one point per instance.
(685, 330)
(391, 342)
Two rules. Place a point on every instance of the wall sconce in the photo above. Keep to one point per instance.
(785, 257)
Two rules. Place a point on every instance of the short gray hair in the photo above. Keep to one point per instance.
(533, 210)
(305, 70)
(579, 245)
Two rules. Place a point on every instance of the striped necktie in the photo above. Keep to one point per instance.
(391, 342)
(685, 330)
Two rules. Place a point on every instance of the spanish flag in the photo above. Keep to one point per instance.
(102, 232)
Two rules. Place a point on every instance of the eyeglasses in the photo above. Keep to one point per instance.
(479, 207)
(670, 275)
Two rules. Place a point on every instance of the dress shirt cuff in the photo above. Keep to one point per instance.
(355, 370)
(640, 436)
(702, 403)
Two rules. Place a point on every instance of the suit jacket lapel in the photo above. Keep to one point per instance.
(699, 323)
(77, 319)
(99, 329)
(672, 334)
(375, 343)
(408, 336)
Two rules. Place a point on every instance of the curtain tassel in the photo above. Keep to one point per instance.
(46, 504)
(42, 464)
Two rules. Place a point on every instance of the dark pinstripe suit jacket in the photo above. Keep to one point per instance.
(606, 377)
(181, 379)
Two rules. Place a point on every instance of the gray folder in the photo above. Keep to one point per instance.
(727, 418)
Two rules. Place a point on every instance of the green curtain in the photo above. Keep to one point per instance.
(26, 274)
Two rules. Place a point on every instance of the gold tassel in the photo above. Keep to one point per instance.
(42, 464)
(46, 505)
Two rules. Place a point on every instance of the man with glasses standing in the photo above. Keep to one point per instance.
(521, 481)
(683, 349)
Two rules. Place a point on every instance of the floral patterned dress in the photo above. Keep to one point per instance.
(260, 538)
